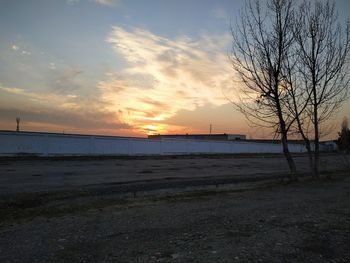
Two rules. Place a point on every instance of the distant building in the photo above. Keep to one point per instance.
(216, 137)
(276, 141)
(328, 146)
(325, 146)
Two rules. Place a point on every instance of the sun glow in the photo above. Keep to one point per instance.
(150, 129)
(163, 77)
(156, 118)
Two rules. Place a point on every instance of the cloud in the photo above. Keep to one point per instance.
(52, 65)
(11, 89)
(166, 75)
(21, 50)
(71, 112)
(47, 116)
(72, 2)
(48, 86)
(162, 76)
(108, 2)
(25, 52)
(220, 13)
(66, 80)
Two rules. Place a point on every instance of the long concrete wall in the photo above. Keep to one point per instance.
(52, 144)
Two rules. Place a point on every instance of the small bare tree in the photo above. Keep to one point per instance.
(344, 136)
(17, 123)
(323, 52)
(261, 45)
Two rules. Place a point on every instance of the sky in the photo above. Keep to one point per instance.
(121, 67)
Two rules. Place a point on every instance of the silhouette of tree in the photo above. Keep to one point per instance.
(262, 40)
(344, 137)
(323, 52)
(294, 63)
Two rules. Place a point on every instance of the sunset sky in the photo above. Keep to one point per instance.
(121, 67)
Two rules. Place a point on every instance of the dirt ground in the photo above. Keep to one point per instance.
(261, 221)
(49, 175)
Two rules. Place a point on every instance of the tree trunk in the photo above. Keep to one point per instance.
(317, 152)
(284, 139)
(316, 141)
(305, 138)
(288, 156)
(311, 161)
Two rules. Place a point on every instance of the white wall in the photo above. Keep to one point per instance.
(50, 144)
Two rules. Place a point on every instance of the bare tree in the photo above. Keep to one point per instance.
(17, 122)
(262, 40)
(344, 136)
(323, 52)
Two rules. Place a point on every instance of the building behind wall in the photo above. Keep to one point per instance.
(325, 146)
(216, 137)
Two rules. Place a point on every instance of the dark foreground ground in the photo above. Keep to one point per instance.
(144, 174)
(259, 221)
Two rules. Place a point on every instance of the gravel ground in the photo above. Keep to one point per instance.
(306, 221)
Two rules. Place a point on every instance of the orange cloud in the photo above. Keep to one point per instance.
(57, 112)
(165, 76)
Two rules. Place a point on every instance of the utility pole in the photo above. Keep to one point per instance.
(210, 127)
(17, 121)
